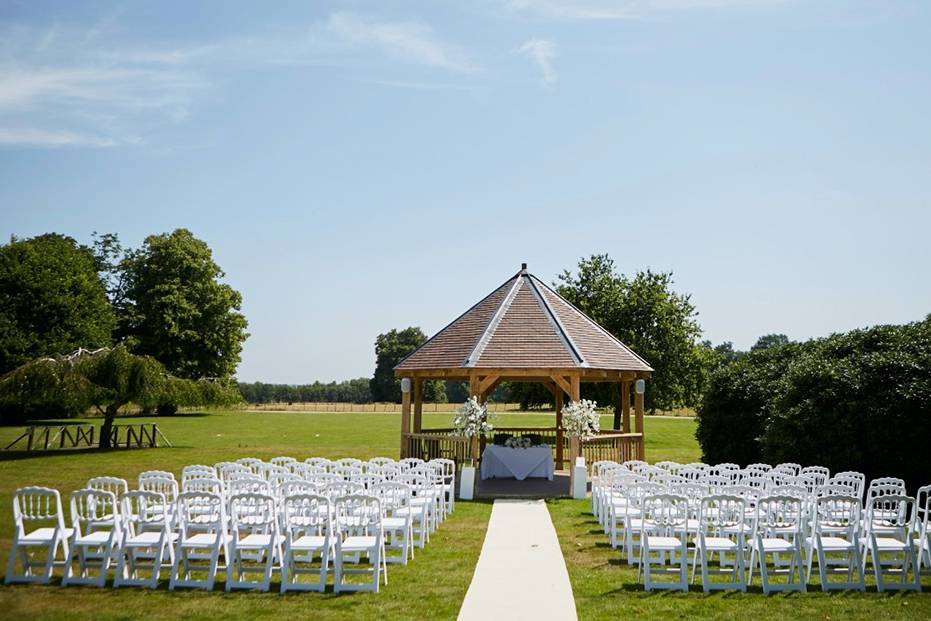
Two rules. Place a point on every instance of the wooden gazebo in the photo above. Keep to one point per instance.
(524, 331)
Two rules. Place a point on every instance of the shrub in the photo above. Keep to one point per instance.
(854, 401)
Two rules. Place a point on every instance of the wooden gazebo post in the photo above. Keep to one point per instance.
(405, 413)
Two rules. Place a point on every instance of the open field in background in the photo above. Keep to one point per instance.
(433, 586)
(606, 588)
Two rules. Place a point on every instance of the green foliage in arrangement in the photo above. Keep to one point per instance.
(105, 379)
(52, 300)
(174, 307)
(646, 314)
(854, 401)
(390, 349)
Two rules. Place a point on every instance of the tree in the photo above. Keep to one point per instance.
(650, 318)
(177, 310)
(51, 300)
(106, 379)
(770, 340)
(726, 354)
(390, 348)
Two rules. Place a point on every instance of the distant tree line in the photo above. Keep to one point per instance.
(349, 391)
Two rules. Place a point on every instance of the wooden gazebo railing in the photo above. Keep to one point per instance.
(445, 443)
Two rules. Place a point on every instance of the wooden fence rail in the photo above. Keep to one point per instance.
(44, 438)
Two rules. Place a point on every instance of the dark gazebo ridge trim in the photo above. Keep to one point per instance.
(446, 327)
(594, 323)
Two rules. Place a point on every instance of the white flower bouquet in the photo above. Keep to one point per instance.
(471, 419)
(580, 419)
(518, 442)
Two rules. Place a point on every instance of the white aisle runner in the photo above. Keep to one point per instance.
(521, 573)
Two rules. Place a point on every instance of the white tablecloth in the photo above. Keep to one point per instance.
(520, 463)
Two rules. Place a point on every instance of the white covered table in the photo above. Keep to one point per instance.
(520, 463)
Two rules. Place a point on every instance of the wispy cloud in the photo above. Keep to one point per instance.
(421, 86)
(541, 52)
(620, 9)
(30, 137)
(410, 41)
(70, 86)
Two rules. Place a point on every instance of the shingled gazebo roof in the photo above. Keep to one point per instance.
(523, 324)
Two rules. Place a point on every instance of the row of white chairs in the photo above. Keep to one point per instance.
(317, 525)
(656, 516)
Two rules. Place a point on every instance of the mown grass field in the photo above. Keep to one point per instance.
(433, 586)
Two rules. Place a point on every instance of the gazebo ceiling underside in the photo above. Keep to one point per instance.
(524, 331)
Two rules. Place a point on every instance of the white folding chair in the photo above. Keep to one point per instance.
(156, 474)
(722, 530)
(350, 462)
(664, 517)
(922, 527)
(282, 461)
(146, 538)
(447, 470)
(397, 523)
(308, 534)
(778, 530)
(197, 471)
(39, 509)
(359, 534)
(888, 542)
(96, 533)
(835, 531)
(253, 530)
(202, 537)
(167, 486)
(254, 464)
(420, 507)
(204, 485)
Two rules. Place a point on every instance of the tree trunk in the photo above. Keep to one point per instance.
(106, 430)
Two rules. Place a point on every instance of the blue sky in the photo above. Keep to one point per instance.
(358, 166)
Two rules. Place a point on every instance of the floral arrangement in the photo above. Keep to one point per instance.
(518, 442)
(471, 419)
(580, 419)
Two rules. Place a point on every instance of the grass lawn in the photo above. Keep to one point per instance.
(433, 586)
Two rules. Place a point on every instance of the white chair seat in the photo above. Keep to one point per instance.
(775, 545)
(888, 544)
(832, 544)
(393, 523)
(97, 538)
(358, 544)
(255, 542)
(663, 543)
(149, 538)
(720, 544)
(43, 536)
(414, 511)
(201, 540)
(309, 542)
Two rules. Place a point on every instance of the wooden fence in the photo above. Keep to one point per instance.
(44, 438)
(612, 446)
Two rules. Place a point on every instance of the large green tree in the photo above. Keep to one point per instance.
(176, 309)
(390, 348)
(105, 379)
(52, 300)
(646, 314)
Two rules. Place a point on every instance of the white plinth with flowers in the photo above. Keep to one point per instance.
(471, 421)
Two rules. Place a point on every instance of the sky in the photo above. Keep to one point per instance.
(361, 166)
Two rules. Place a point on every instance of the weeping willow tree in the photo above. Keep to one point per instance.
(106, 380)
